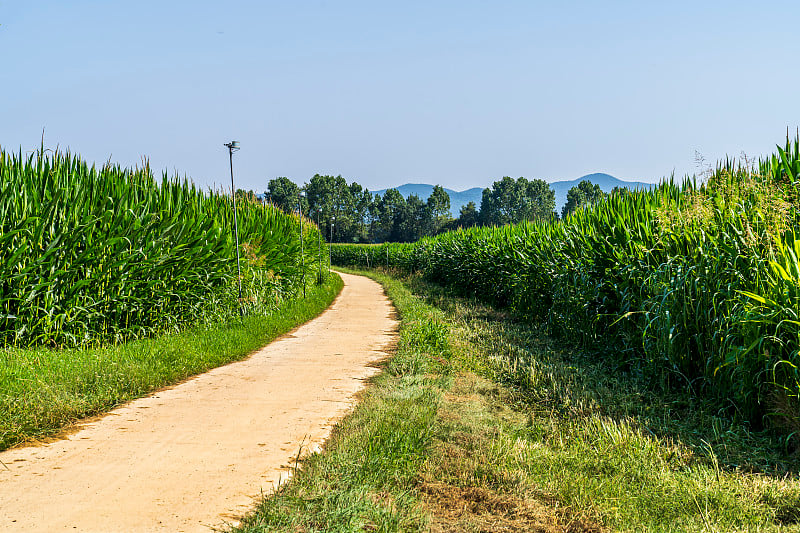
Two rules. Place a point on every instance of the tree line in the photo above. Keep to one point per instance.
(350, 213)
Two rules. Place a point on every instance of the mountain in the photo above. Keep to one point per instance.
(461, 198)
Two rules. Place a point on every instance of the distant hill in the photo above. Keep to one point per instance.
(461, 198)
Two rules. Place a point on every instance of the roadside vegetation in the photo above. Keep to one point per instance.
(114, 284)
(483, 422)
(94, 256)
(365, 479)
(42, 390)
(695, 287)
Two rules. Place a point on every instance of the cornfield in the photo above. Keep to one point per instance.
(91, 256)
(698, 285)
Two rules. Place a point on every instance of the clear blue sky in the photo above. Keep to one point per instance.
(458, 93)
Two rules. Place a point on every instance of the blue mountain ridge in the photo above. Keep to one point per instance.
(461, 198)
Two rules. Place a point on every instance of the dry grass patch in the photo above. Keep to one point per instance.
(474, 481)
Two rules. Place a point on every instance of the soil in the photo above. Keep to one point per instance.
(197, 456)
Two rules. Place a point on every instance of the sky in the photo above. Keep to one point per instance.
(459, 93)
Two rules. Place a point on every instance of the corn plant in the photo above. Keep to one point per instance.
(697, 283)
(92, 255)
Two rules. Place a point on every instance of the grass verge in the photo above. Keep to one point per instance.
(43, 390)
(483, 423)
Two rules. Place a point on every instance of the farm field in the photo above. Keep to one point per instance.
(631, 367)
(482, 422)
(94, 256)
(115, 284)
(696, 286)
(443, 267)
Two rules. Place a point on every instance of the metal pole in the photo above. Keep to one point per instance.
(231, 147)
(319, 246)
(329, 246)
(302, 257)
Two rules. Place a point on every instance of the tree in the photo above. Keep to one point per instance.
(585, 193)
(388, 213)
(468, 216)
(283, 193)
(332, 197)
(542, 200)
(439, 208)
(361, 199)
(510, 201)
(414, 219)
(575, 199)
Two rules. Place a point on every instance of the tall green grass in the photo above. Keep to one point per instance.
(96, 255)
(696, 284)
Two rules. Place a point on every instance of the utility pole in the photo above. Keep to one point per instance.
(302, 257)
(232, 147)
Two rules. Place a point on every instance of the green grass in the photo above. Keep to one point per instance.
(483, 423)
(43, 390)
(365, 479)
(598, 441)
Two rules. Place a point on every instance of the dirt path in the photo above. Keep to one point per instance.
(194, 457)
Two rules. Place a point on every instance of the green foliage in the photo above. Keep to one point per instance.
(387, 215)
(468, 216)
(284, 194)
(330, 198)
(602, 442)
(439, 207)
(415, 220)
(510, 201)
(91, 256)
(695, 285)
(357, 216)
(584, 193)
(243, 195)
(399, 219)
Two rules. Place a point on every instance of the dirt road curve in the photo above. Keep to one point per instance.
(194, 457)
